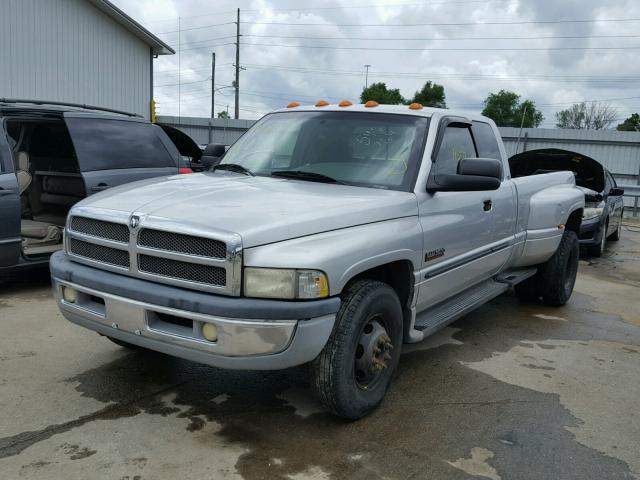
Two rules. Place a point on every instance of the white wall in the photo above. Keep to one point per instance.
(69, 51)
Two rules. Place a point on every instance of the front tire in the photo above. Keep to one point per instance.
(598, 250)
(557, 276)
(354, 370)
(615, 236)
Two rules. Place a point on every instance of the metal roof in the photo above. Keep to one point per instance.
(158, 46)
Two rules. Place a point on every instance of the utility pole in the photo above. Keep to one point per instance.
(213, 83)
(237, 82)
(366, 76)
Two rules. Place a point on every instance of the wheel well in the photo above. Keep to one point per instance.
(574, 221)
(398, 275)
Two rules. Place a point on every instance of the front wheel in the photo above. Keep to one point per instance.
(615, 236)
(354, 370)
(558, 275)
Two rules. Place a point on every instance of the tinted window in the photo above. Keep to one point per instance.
(486, 142)
(456, 145)
(104, 144)
(376, 150)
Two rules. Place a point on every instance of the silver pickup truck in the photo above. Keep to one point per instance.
(326, 234)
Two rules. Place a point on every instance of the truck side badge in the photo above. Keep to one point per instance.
(433, 254)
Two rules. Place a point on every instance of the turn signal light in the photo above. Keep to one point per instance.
(415, 106)
(293, 105)
(371, 104)
(345, 103)
(322, 103)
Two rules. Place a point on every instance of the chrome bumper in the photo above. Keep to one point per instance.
(241, 343)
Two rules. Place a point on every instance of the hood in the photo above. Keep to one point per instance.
(260, 209)
(589, 172)
(183, 142)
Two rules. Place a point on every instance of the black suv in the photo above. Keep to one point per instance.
(53, 155)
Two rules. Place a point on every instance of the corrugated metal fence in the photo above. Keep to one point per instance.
(618, 151)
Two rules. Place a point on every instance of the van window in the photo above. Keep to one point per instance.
(106, 144)
(457, 144)
(485, 141)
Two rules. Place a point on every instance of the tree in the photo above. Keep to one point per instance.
(223, 114)
(506, 110)
(594, 116)
(631, 124)
(381, 94)
(431, 95)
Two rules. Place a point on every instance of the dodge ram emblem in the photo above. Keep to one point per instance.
(134, 221)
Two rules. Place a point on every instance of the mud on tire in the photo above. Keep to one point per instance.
(354, 370)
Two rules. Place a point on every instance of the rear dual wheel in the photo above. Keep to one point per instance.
(354, 370)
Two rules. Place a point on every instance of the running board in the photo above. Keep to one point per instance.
(442, 314)
(514, 277)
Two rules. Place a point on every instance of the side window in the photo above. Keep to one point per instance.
(485, 141)
(456, 144)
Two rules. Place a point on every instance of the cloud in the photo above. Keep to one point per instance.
(276, 74)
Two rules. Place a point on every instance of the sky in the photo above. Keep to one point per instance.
(554, 52)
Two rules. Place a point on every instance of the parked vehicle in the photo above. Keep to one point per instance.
(52, 155)
(604, 209)
(327, 234)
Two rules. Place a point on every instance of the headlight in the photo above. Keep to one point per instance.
(285, 283)
(589, 213)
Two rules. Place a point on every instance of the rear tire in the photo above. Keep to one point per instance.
(557, 276)
(354, 370)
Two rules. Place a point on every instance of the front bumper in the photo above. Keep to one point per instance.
(253, 334)
(591, 232)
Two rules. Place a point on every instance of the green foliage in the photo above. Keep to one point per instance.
(631, 124)
(381, 94)
(431, 95)
(506, 110)
(223, 114)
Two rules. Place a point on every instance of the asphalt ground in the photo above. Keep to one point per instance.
(511, 391)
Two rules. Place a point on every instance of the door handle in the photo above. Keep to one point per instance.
(99, 187)
(487, 205)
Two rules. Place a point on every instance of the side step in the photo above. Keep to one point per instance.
(442, 314)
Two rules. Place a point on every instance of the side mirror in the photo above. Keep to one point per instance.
(616, 192)
(474, 174)
(214, 150)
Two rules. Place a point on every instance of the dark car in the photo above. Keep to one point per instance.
(604, 205)
(52, 155)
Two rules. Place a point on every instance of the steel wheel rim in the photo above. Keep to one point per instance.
(373, 353)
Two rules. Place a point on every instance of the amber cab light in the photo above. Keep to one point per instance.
(345, 103)
(371, 104)
(415, 106)
(293, 105)
(322, 103)
(184, 170)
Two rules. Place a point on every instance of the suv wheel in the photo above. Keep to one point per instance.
(598, 250)
(354, 370)
(615, 236)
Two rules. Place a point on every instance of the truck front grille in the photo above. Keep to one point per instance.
(99, 253)
(117, 232)
(192, 272)
(180, 243)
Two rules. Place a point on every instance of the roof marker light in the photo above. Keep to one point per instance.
(293, 105)
(322, 103)
(371, 104)
(345, 103)
(415, 106)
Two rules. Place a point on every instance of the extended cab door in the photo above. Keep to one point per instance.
(9, 205)
(461, 246)
(113, 150)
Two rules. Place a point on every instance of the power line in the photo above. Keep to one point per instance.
(500, 49)
(438, 39)
(447, 24)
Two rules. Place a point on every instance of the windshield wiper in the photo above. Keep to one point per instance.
(302, 175)
(233, 167)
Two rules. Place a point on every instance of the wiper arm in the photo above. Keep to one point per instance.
(233, 167)
(302, 175)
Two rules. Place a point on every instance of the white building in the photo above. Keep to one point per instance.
(77, 51)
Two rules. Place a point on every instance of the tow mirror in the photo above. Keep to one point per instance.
(474, 174)
(616, 192)
(212, 155)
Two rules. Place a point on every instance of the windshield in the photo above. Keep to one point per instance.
(364, 149)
